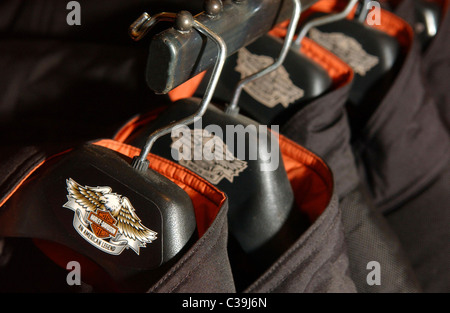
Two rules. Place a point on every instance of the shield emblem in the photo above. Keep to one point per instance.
(103, 224)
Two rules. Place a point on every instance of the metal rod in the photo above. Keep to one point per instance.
(145, 22)
(233, 106)
(174, 57)
(329, 18)
(141, 162)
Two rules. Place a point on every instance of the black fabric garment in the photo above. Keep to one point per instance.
(435, 57)
(436, 67)
(316, 263)
(317, 260)
(322, 126)
(101, 21)
(191, 272)
(403, 150)
(404, 9)
(422, 226)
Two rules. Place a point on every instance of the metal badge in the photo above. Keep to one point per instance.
(271, 89)
(346, 48)
(106, 219)
(207, 155)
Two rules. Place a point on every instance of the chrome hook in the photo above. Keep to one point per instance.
(363, 10)
(184, 22)
(145, 23)
(232, 108)
(322, 21)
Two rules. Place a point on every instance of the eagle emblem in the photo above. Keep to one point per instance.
(346, 48)
(220, 164)
(271, 89)
(106, 219)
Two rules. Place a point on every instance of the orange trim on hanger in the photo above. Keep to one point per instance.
(206, 198)
(339, 71)
(310, 177)
(31, 171)
(390, 23)
(187, 89)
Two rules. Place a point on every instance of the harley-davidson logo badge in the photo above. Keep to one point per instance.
(223, 164)
(346, 48)
(105, 219)
(271, 89)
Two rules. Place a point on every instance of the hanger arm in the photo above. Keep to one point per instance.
(175, 57)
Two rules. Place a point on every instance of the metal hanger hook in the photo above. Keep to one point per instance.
(145, 23)
(232, 108)
(363, 10)
(185, 20)
(329, 18)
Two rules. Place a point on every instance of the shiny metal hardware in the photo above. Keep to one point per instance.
(232, 108)
(140, 162)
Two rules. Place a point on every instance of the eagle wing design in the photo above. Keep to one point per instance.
(122, 222)
(130, 225)
(87, 197)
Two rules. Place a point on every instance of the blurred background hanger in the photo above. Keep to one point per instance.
(374, 56)
(292, 85)
(428, 18)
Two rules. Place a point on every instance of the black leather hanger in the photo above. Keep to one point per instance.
(84, 199)
(131, 221)
(300, 77)
(373, 55)
(262, 222)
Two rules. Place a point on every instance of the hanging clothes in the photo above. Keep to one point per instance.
(320, 246)
(190, 272)
(403, 153)
(435, 55)
(322, 126)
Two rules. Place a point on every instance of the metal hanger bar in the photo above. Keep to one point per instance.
(175, 57)
(326, 19)
(140, 162)
(233, 107)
